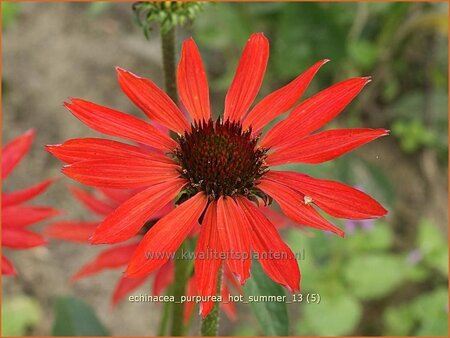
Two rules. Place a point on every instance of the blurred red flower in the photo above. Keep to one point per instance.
(17, 216)
(116, 257)
(219, 171)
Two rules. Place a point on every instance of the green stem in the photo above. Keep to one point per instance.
(163, 325)
(168, 56)
(210, 325)
(181, 265)
(179, 290)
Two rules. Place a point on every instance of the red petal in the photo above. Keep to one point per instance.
(24, 215)
(125, 286)
(117, 196)
(314, 112)
(234, 237)
(192, 82)
(229, 277)
(228, 307)
(91, 202)
(7, 267)
(16, 238)
(324, 146)
(195, 231)
(276, 218)
(163, 278)
(293, 205)
(24, 195)
(115, 123)
(266, 241)
(129, 217)
(73, 231)
(164, 238)
(336, 199)
(248, 78)
(15, 150)
(108, 259)
(82, 149)
(189, 306)
(207, 264)
(121, 173)
(152, 101)
(163, 212)
(280, 101)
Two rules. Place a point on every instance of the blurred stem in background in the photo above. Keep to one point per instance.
(179, 290)
(164, 321)
(168, 57)
(181, 274)
(169, 15)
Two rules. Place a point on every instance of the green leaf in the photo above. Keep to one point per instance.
(293, 51)
(431, 310)
(363, 53)
(398, 321)
(378, 238)
(426, 315)
(413, 134)
(418, 272)
(336, 314)
(96, 8)
(223, 28)
(433, 245)
(19, 314)
(10, 11)
(373, 276)
(245, 330)
(73, 317)
(272, 316)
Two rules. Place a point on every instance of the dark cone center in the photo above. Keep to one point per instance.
(221, 159)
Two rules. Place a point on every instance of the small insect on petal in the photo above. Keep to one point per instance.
(307, 200)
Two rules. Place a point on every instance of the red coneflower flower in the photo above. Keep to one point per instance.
(16, 216)
(221, 168)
